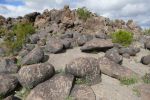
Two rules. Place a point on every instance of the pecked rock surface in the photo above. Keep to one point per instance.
(82, 92)
(56, 88)
(97, 44)
(86, 68)
(32, 75)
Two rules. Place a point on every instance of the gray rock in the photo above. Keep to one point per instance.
(145, 60)
(8, 66)
(97, 44)
(29, 47)
(7, 84)
(56, 88)
(130, 50)
(126, 55)
(113, 55)
(81, 40)
(32, 75)
(100, 35)
(85, 68)
(54, 46)
(23, 53)
(34, 39)
(34, 57)
(82, 92)
(66, 35)
(2, 52)
(66, 42)
(147, 45)
(114, 70)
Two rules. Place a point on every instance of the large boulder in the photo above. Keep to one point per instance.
(56, 88)
(86, 68)
(32, 75)
(113, 55)
(132, 51)
(114, 70)
(7, 84)
(82, 92)
(145, 60)
(35, 56)
(97, 44)
(8, 65)
(147, 45)
(82, 39)
(54, 45)
(31, 16)
(34, 38)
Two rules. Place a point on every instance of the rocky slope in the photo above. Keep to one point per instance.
(71, 59)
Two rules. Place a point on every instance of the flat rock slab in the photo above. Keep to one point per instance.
(82, 92)
(114, 70)
(56, 88)
(97, 44)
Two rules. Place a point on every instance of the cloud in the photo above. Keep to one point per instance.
(115, 9)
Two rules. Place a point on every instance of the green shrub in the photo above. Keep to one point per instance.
(22, 93)
(147, 31)
(146, 78)
(83, 13)
(15, 38)
(122, 37)
(128, 80)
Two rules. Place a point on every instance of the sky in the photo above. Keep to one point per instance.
(138, 10)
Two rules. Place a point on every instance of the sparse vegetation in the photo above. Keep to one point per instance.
(69, 98)
(23, 93)
(83, 13)
(146, 78)
(128, 80)
(122, 37)
(81, 81)
(15, 38)
(147, 31)
(1, 97)
(136, 92)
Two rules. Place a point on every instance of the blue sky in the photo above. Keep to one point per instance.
(114, 9)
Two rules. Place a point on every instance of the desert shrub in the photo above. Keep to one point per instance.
(147, 31)
(128, 80)
(83, 13)
(15, 38)
(122, 37)
(146, 78)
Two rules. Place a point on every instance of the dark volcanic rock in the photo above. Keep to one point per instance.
(35, 56)
(34, 39)
(82, 92)
(147, 45)
(97, 44)
(81, 40)
(31, 17)
(8, 66)
(54, 46)
(113, 55)
(7, 84)
(32, 75)
(86, 68)
(112, 69)
(129, 50)
(146, 60)
(56, 88)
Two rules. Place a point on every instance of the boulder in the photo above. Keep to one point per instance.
(97, 44)
(100, 35)
(29, 47)
(31, 16)
(86, 68)
(7, 84)
(32, 75)
(54, 45)
(113, 55)
(56, 88)
(23, 53)
(132, 51)
(82, 92)
(66, 35)
(147, 45)
(82, 39)
(34, 39)
(114, 70)
(2, 52)
(33, 57)
(66, 42)
(8, 65)
(145, 60)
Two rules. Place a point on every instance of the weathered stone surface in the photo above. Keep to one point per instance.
(2, 52)
(130, 50)
(56, 88)
(54, 46)
(97, 44)
(114, 70)
(23, 53)
(29, 47)
(7, 84)
(31, 17)
(8, 66)
(81, 40)
(113, 55)
(32, 75)
(144, 90)
(34, 38)
(146, 60)
(147, 45)
(66, 42)
(82, 92)
(100, 35)
(86, 68)
(35, 56)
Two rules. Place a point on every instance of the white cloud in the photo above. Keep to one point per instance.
(122, 9)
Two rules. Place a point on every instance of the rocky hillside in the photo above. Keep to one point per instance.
(73, 55)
